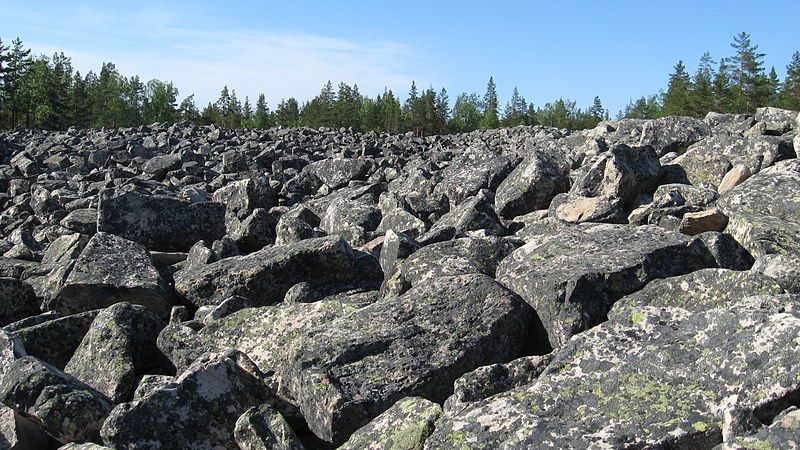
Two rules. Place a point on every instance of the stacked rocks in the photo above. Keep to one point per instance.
(178, 286)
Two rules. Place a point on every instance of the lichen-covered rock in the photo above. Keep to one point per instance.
(263, 427)
(119, 346)
(475, 168)
(266, 275)
(254, 232)
(673, 133)
(728, 253)
(694, 223)
(531, 185)
(474, 213)
(404, 426)
(487, 381)
(764, 234)
(17, 300)
(352, 221)
(656, 378)
(65, 248)
(784, 269)
(774, 194)
(783, 433)
(83, 221)
(66, 408)
(345, 373)
(55, 340)
(109, 270)
(159, 222)
(699, 291)
(572, 278)
(455, 257)
(243, 197)
(198, 411)
(338, 172)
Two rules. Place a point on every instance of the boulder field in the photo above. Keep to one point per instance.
(634, 285)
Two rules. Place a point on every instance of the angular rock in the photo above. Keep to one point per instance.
(475, 169)
(338, 172)
(243, 197)
(263, 427)
(694, 223)
(783, 433)
(55, 340)
(17, 300)
(254, 232)
(82, 221)
(620, 174)
(784, 269)
(396, 247)
(734, 177)
(352, 221)
(627, 384)
(474, 213)
(773, 194)
(698, 291)
(119, 346)
(109, 270)
(530, 186)
(572, 279)
(159, 222)
(66, 408)
(673, 133)
(65, 248)
(405, 425)
(727, 251)
(347, 372)
(199, 411)
(573, 208)
(296, 225)
(764, 234)
(266, 275)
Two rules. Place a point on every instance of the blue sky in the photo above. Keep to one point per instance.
(617, 50)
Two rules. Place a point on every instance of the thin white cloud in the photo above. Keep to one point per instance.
(278, 64)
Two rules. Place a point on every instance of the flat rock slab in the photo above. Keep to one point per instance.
(657, 378)
(763, 234)
(572, 278)
(55, 340)
(198, 411)
(109, 270)
(699, 291)
(159, 222)
(266, 275)
(345, 373)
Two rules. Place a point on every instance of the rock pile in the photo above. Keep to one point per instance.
(634, 285)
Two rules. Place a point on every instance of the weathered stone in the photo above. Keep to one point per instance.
(199, 411)
(266, 275)
(55, 340)
(66, 408)
(263, 427)
(673, 134)
(572, 279)
(734, 177)
(338, 172)
(474, 213)
(698, 291)
(474, 169)
(694, 223)
(65, 248)
(764, 234)
(159, 222)
(254, 232)
(530, 186)
(347, 372)
(119, 346)
(573, 208)
(405, 425)
(620, 174)
(109, 270)
(727, 251)
(773, 194)
(704, 165)
(785, 269)
(396, 247)
(783, 433)
(243, 197)
(17, 300)
(627, 384)
(352, 221)
(82, 221)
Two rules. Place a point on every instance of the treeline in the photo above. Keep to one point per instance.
(734, 84)
(45, 93)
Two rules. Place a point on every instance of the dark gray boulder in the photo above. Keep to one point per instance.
(572, 278)
(266, 275)
(782, 433)
(347, 372)
(53, 340)
(395, 248)
(198, 411)
(353, 221)
(297, 224)
(242, 197)
(474, 169)
(405, 425)
(474, 213)
(253, 233)
(109, 270)
(627, 384)
(338, 172)
(119, 346)
(17, 300)
(531, 185)
(263, 427)
(82, 221)
(727, 251)
(66, 408)
(673, 133)
(159, 222)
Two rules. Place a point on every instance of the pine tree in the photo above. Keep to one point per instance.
(247, 114)
(773, 88)
(516, 110)
(790, 91)
(287, 114)
(490, 118)
(441, 112)
(58, 84)
(80, 104)
(466, 113)
(346, 107)
(17, 64)
(749, 81)
(723, 88)
(261, 116)
(677, 100)
(411, 117)
(702, 99)
(160, 102)
(391, 112)
(188, 111)
(596, 113)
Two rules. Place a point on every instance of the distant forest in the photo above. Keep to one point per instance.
(45, 93)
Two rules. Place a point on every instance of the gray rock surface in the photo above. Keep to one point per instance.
(406, 425)
(263, 427)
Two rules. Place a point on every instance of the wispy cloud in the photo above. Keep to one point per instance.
(278, 64)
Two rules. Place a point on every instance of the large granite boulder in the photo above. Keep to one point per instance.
(265, 276)
(405, 425)
(572, 278)
(159, 222)
(109, 270)
(263, 427)
(119, 346)
(531, 185)
(198, 410)
(345, 373)
(655, 378)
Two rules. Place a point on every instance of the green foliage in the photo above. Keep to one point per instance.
(490, 117)
(677, 100)
(790, 92)
(466, 113)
